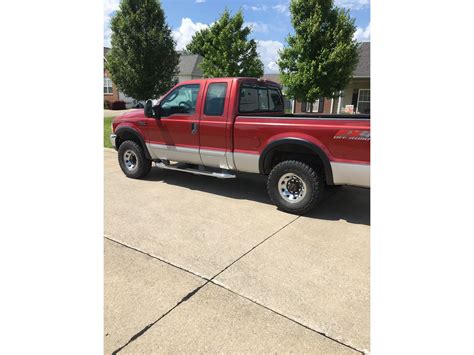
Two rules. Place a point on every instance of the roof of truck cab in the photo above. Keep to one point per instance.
(240, 78)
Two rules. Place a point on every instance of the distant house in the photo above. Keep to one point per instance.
(110, 90)
(111, 93)
(189, 67)
(188, 70)
(355, 98)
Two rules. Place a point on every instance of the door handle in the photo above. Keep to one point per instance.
(194, 128)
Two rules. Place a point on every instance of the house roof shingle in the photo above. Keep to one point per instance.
(362, 70)
(189, 64)
(363, 67)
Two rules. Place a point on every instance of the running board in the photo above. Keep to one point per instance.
(187, 169)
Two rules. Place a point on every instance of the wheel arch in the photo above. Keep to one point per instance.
(128, 133)
(294, 146)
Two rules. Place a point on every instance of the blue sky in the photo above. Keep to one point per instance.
(270, 20)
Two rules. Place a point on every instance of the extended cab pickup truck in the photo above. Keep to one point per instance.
(221, 126)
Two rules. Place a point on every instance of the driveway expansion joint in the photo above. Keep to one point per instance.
(287, 317)
(189, 295)
(144, 330)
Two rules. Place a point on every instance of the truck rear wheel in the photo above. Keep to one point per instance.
(295, 187)
(133, 161)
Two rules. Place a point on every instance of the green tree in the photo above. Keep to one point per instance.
(143, 62)
(226, 49)
(322, 55)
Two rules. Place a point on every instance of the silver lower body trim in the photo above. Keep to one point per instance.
(247, 162)
(214, 158)
(174, 153)
(351, 174)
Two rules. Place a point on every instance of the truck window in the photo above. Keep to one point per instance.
(263, 99)
(276, 103)
(259, 99)
(215, 99)
(248, 99)
(182, 100)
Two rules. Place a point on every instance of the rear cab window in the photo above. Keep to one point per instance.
(258, 98)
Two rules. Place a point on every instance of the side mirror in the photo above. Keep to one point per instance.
(148, 110)
(152, 111)
(157, 111)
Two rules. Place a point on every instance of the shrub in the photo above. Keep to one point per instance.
(106, 105)
(118, 105)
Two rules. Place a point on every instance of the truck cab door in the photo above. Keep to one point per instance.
(175, 135)
(215, 125)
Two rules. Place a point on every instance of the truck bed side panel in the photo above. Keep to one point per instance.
(345, 142)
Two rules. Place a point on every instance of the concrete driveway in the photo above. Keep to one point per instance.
(198, 264)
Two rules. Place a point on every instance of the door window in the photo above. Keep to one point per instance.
(215, 99)
(182, 100)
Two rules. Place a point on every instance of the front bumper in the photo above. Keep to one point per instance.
(112, 140)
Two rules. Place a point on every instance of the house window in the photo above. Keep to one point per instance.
(107, 85)
(363, 101)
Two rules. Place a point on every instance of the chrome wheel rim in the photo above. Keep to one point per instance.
(130, 160)
(292, 188)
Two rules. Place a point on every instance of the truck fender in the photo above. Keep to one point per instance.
(316, 150)
(126, 132)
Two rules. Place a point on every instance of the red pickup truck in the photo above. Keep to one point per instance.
(220, 126)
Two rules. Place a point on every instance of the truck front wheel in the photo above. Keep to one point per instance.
(295, 187)
(133, 161)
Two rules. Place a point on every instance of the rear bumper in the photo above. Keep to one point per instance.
(112, 140)
(351, 174)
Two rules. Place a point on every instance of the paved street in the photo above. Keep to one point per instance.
(198, 264)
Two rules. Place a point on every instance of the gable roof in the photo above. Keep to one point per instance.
(361, 71)
(363, 67)
(272, 77)
(189, 64)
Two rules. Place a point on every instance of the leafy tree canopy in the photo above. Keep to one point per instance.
(322, 55)
(226, 50)
(143, 62)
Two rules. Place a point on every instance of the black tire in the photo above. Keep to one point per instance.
(314, 183)
(131, 152)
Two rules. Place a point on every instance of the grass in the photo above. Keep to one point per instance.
(107, 131)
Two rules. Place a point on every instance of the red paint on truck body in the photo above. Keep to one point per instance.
(345, 140)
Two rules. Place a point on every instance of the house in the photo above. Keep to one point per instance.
(111, 93)
(355, 98)
(188, 70)
(189, 67)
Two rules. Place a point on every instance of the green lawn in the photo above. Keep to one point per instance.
(107, 131)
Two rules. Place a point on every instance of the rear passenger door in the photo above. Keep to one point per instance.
(214, 143)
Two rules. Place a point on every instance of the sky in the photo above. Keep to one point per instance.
(269, 19)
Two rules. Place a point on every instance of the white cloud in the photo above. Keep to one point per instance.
(200, 1)
(256, 8)
(281, 8)
(353, 4)
(362, 34)
(186, 31)
(268, 51)
(258, 26)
